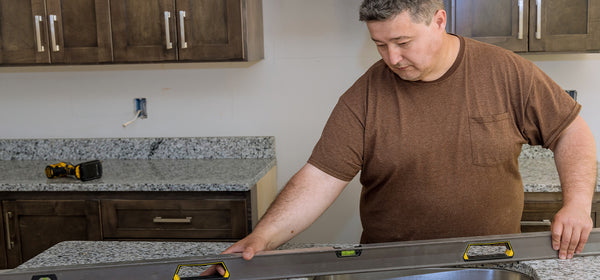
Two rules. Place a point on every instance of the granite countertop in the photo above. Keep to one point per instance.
(142, 175)
(90, 252)
(182, 164)
(140, 164)
(540, 175)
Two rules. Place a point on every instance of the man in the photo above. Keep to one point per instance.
(436, 128)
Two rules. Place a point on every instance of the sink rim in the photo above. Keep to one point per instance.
(415, 273)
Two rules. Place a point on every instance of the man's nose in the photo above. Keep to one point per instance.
(395, 55)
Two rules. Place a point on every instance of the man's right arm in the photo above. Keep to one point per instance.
(305, 197)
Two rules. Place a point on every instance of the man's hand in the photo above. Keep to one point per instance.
(248, 246)
(571, 228)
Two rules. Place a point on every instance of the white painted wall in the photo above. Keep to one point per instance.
(314, 50)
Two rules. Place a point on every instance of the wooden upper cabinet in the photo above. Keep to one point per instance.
(502, 23)
(187, 30)
(23, 32)
(530, 25)
(144, 30)
(79, 31)
(564, 25)
(212, 29)
(55, 31)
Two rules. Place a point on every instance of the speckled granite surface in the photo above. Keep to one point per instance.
(138, 148)
(142, 175)
(140, 164)
(182, 164)
(89, 252)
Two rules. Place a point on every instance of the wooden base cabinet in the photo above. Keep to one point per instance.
(32, 226)
(208, 219)
(540, 208)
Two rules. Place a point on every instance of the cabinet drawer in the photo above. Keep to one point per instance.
(538, 215)
(183, 219)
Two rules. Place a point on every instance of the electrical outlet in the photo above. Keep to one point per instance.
(140, 105)
(572, 93)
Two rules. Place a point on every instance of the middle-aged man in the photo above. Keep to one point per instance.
(436, 128)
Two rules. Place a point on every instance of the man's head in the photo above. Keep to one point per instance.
(421, 11)
(410, 36)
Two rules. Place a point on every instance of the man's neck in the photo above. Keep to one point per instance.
(447, 56)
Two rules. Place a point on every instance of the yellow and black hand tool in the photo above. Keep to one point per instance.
(84, 171)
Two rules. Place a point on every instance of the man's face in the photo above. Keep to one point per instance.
(408, 48)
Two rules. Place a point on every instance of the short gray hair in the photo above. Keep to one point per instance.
(421, 11)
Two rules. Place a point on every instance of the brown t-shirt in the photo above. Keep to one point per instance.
(439, 159)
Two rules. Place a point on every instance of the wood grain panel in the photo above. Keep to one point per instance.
(208, 219)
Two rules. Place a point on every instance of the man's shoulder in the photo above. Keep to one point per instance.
(493, 55)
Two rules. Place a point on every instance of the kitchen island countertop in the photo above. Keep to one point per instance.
(90, 252)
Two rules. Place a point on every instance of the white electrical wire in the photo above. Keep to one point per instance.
(137, 115)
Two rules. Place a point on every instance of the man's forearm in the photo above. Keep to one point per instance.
(307, 195)
(575, 158)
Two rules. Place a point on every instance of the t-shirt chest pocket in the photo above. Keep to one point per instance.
(489, 136)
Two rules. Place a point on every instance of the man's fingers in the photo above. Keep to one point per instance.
(220, 269)
(565, 240)
(583, 240)
(557, 230)
(573, 242)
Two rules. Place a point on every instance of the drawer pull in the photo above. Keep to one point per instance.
(52, 19)
(9, 243)
(38, 34)
(161, 220)
(538, 27)
(536, 223)
(168, 30)
(184, 44)
(520, 34)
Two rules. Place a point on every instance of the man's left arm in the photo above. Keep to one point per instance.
(575, 158)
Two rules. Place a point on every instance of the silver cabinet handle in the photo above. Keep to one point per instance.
(182, 29)
(536, 223)
(38, 35)
(52, 20)
(168, 31)
(520, 35)
(538, 28)
(161, 220)
(9, 243)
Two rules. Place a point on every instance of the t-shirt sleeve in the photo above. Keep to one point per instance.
(549, 110)
(339, 151)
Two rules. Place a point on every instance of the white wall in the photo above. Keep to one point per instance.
(314, 50)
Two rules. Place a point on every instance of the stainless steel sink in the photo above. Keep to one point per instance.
(431, 274)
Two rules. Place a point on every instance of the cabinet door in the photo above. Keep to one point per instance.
(502, 23)
(23, 32)
(564, 25)
(79, 31)
(3, 241)
(36, 225)
(139, 30)
(212, 30)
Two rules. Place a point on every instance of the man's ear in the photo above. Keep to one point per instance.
(439, 19)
